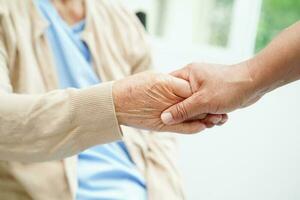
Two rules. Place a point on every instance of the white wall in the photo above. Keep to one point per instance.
(256, 156)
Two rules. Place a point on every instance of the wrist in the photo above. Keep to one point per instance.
(248, 86)
(118, 98)
(262, 84)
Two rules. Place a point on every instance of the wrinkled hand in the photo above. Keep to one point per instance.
(140, 99)
(216, 89)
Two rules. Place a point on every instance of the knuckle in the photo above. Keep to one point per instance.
(197, 65)
(160, 78)
(192, 65)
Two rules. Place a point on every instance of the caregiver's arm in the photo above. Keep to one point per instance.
(222, 89)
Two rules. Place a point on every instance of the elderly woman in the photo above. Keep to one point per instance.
(51, 52)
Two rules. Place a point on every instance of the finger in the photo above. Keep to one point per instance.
(181, 73)
(213, 119)
(184, 110)
(209, 125)
(181, 87)
(186, 127)
(199, 117)
(224, 120)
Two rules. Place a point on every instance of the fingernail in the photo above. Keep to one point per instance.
(167, 118)
(223, 120)
(215, 120)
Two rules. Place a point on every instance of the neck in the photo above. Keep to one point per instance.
(72, 11)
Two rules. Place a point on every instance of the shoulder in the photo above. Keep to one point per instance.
(118, 15)
(16, 7)
(110, 3)
(115, 8)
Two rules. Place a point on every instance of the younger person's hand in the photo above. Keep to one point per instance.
(216, 90)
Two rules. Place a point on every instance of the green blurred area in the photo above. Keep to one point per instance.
(275, 16)
(220, 22)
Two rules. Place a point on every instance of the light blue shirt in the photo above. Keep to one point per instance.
(106, 171)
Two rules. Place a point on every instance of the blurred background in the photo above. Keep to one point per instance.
(257, 154)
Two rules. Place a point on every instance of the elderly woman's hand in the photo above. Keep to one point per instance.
(140, 99)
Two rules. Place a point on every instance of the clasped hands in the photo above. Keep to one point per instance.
(189, 100)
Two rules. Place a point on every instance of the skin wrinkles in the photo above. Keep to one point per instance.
(152, 94)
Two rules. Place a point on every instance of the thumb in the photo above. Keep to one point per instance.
(181, 87)
(183, 111)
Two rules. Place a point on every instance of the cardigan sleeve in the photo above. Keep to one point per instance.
(53, 125)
